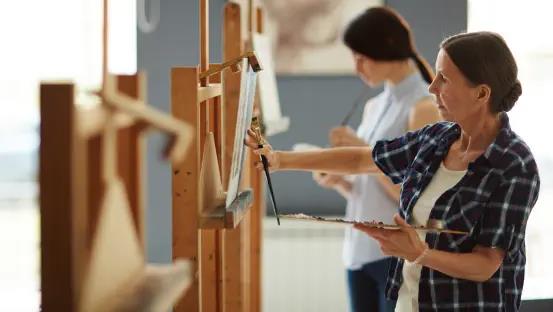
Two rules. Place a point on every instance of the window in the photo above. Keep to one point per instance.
(526, 27)
(43, 40)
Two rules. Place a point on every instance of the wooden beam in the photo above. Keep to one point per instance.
(209, 92)
(218, 127)
(59, 266)
(208, 241)
(256, 236)
(204, 41)
(231, 258)
(185, 186)
(91, 121)
(257, 211)
(131, 146)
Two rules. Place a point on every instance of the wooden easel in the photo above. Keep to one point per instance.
(225, 243)
(242, 284)
(91, 199)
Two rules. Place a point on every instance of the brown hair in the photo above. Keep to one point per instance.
(484, 58)
(381, 34)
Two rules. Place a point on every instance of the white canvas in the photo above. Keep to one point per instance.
(243, 122)
(272, 117)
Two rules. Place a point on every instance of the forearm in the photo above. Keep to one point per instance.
(339, 160)
(473, 266)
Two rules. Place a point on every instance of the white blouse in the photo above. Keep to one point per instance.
(386, 116)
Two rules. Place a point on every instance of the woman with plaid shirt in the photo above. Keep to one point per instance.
(471, 172)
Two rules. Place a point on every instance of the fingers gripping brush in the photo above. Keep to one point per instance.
(256, 128)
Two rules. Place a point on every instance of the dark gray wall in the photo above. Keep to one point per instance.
(174, 43)
(432, 21)
(314, 104)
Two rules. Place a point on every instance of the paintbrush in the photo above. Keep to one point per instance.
(354, 107)
(256, 128)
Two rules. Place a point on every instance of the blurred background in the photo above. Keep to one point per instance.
(302, 269)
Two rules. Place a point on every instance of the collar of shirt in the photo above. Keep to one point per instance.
(493, 153)
(484, 164)
(403, 88)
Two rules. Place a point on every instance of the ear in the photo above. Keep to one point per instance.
(483, 93)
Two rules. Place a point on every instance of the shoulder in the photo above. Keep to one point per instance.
(422, 113)
(438, 130)
(417, 93)
(514, 159)
(424, 104)
(429, 135)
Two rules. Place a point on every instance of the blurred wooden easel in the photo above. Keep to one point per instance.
(224, 242)
(91, 199)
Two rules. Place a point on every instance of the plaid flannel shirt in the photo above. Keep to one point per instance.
(492, 202)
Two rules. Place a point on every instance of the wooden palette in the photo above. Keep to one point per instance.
(381, 225)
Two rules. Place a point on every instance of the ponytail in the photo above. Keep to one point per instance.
(425, 70)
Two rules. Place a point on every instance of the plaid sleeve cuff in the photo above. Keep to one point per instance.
(385, 164)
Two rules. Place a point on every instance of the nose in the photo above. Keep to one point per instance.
(433, 88)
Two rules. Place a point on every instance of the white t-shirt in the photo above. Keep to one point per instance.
(443, 180)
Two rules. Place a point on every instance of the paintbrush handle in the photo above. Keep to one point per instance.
(353, 108)
(272, 193)
(268, 178)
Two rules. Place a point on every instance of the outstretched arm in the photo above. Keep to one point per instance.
(338, 160)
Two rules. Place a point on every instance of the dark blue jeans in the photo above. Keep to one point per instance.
(367, 285)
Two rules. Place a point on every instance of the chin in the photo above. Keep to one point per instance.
(445, 115)
(374, 84)
(447, 118)
(369, 83)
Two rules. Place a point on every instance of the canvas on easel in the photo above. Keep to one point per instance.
(244, 116)
(271, 114)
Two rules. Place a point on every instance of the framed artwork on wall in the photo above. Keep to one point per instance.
(307, 34)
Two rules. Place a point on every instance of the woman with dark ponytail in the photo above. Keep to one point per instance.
(384, 51)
